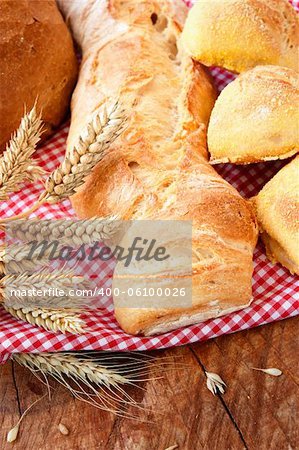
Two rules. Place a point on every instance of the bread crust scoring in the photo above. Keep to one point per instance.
(158, 168)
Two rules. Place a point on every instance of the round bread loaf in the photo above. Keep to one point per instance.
(256, 117)
(37, 61)
(241, 34)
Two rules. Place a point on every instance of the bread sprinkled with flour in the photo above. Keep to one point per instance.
(241, 34)
(256, 117)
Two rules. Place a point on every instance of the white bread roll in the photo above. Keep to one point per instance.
(277, 209)
(241, 34)
(256, 117)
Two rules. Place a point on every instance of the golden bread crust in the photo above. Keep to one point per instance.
(37, 61)
(242, 34)
(277, 209)
(256, 117)
(158, 168)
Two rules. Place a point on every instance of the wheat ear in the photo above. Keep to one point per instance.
(14, 259)
(41, 281)
(68, 232)
(84, 376)
(100, 133)
(16, 164)
(65, 321)
(99, 378)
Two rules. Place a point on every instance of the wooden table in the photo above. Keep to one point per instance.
(256, 412)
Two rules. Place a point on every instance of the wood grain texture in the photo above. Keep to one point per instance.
(256, 412)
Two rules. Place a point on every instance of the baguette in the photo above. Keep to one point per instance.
(158, 168)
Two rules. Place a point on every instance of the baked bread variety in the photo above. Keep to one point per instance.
(241, 34)
(158, 168)
(256, 117)
(277, 209)
(37, 60)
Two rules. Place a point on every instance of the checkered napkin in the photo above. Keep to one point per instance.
(275, 291)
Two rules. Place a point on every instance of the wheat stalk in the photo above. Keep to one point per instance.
(16, 164)
(14, 259)
(11, 284)
(68, 232)
(106, 125)
(65, 321)
(86, 376)
(49, 239)
(78, 367)
(17, 258)
(99, 134)
(85, 372)
(40, 280)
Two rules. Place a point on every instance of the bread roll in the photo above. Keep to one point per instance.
(37, 61)
(158, 168)
(241, 34)
(256, 117)
(277, 208)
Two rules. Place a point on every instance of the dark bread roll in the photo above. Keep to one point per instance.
(37, 59)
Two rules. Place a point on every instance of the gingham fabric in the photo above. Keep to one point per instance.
(275, 291)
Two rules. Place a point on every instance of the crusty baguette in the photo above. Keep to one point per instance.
(158, 168)
(37, 61)
(277, 208)
(242, 34)
(256, 117)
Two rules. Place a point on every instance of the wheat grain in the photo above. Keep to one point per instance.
(215, 383)
(35, 173)
(16, 164)
(99, 134)
(271, 371)
(63, 429)
(65, 321)
(12, 435)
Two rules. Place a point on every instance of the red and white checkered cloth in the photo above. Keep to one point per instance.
(276, 292)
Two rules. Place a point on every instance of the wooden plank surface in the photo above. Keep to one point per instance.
(256, 412)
